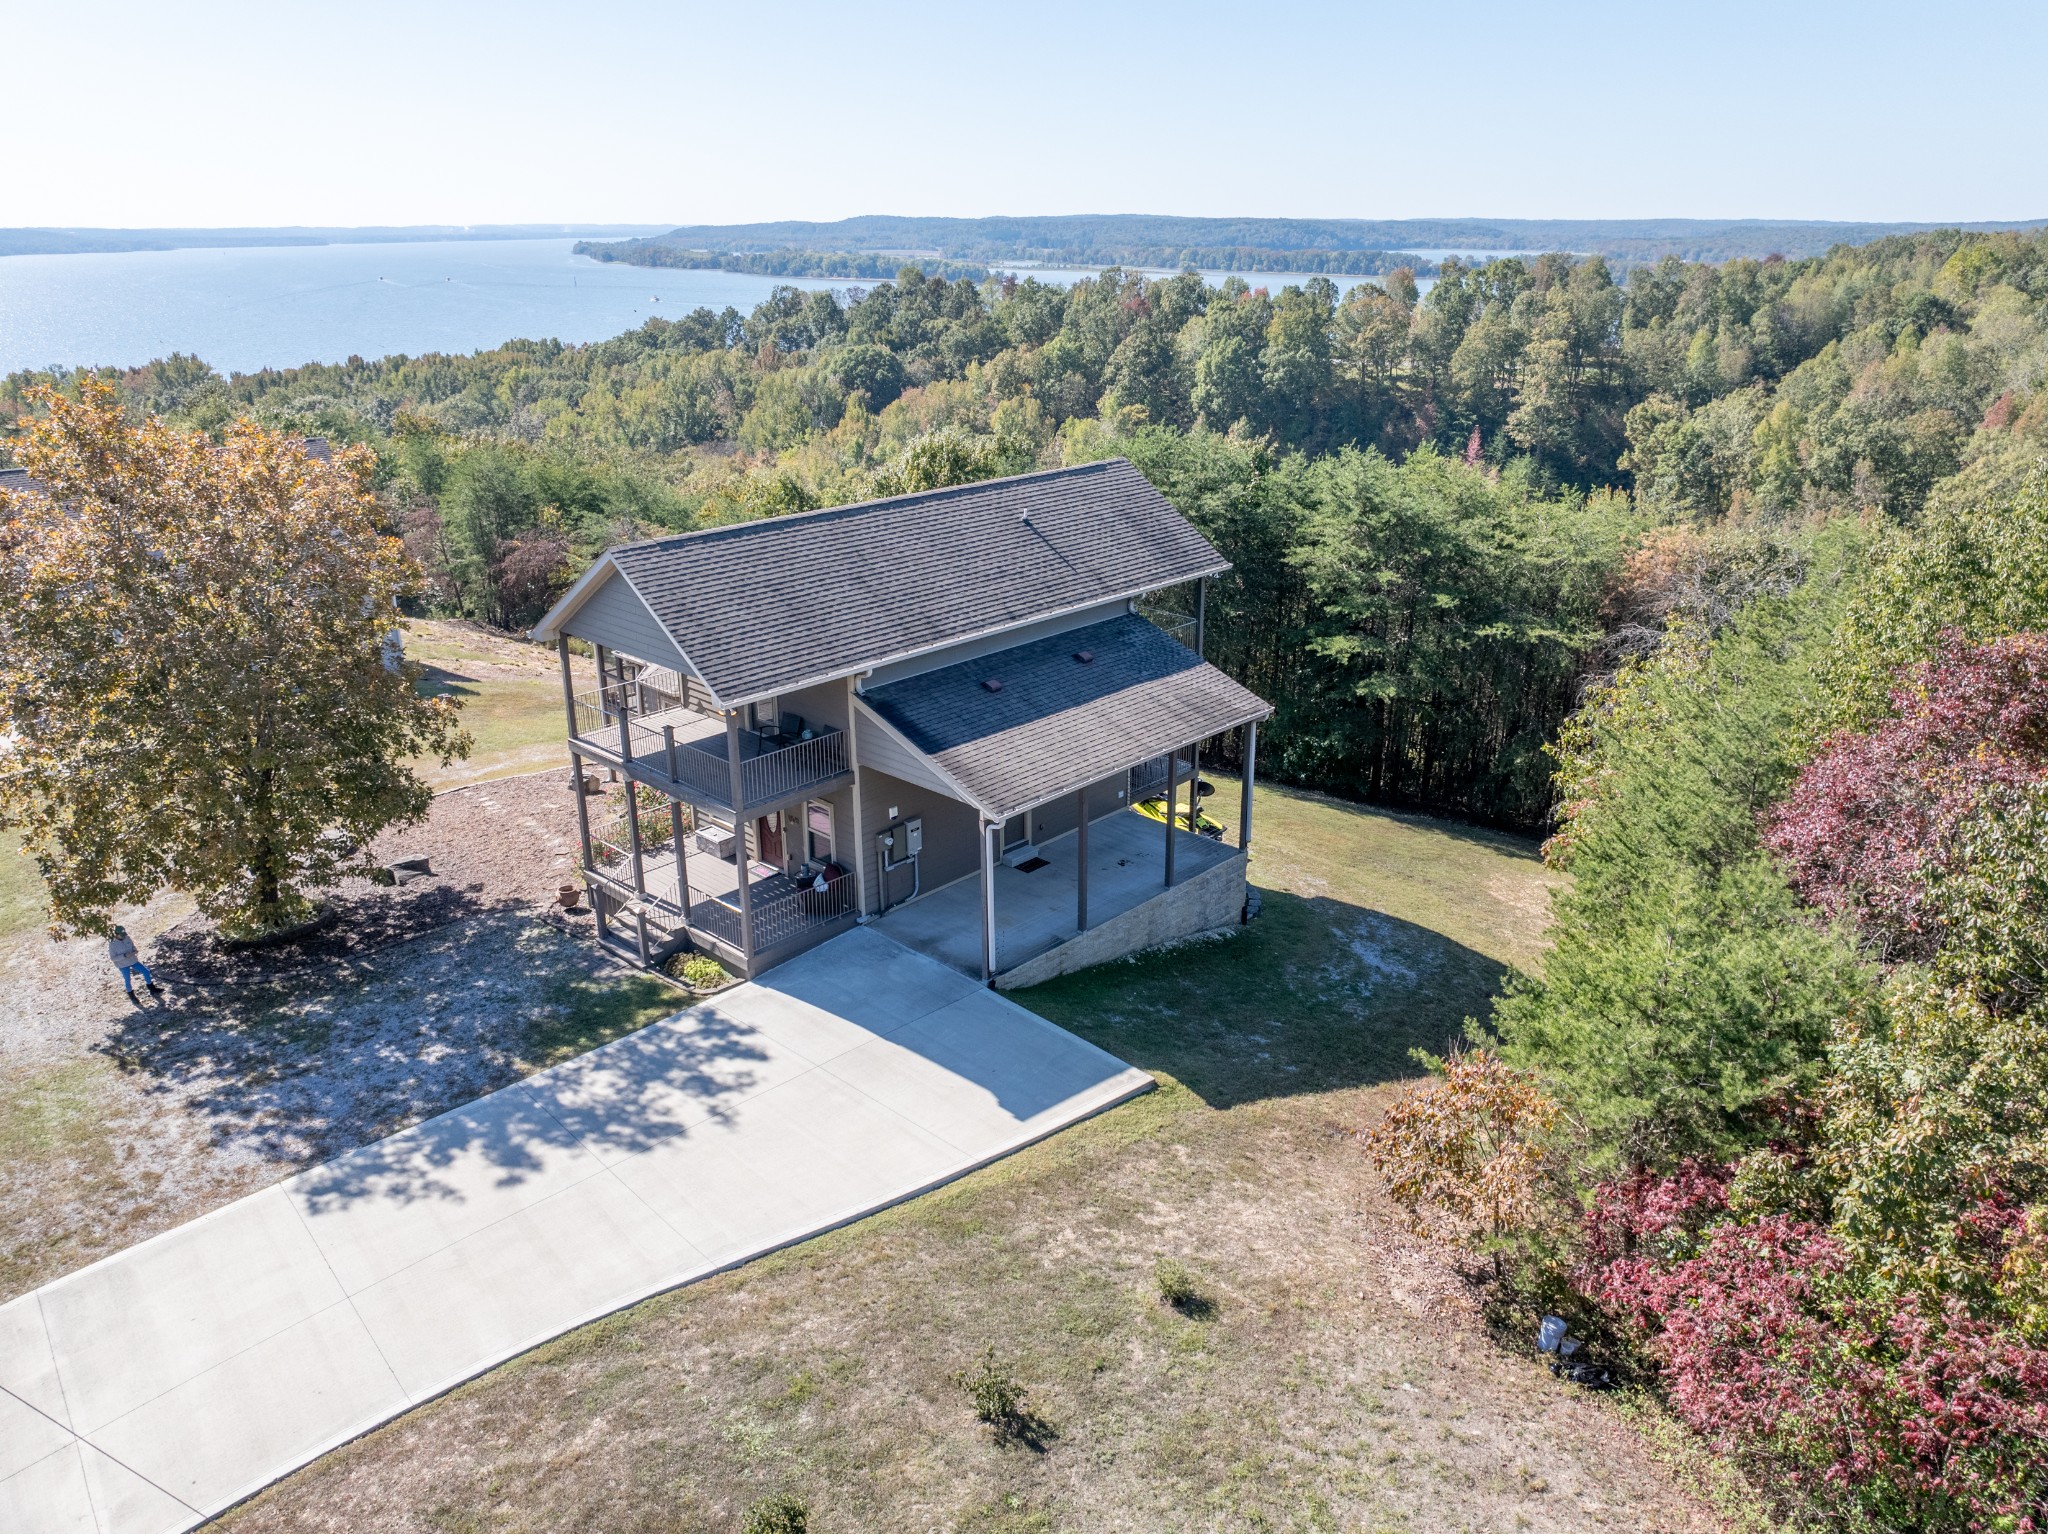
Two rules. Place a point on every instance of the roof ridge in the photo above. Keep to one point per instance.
(706, 534)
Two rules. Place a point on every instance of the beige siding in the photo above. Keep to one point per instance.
(950, 827)
(881, 748)
(826, 704)
(611, 615)
(1057, 818)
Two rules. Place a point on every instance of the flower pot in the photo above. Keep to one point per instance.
(569, 895)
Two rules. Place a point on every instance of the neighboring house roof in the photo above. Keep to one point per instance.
(1058, 722)
(765, 607)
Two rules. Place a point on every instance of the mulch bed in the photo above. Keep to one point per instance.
(493, 846)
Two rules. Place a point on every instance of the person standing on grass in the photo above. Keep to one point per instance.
(121, 949)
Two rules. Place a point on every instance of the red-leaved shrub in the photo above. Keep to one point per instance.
(1874, 815)
(1914, 1415)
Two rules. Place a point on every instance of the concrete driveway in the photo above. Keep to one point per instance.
(150, 1391)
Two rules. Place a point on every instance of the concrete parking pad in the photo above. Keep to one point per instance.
(147, 1392)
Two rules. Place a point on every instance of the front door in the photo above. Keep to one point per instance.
(768, 835)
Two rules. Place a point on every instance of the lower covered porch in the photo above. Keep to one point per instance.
(1042, 927)
(676, 877)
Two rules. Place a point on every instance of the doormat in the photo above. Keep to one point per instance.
(1031, 865)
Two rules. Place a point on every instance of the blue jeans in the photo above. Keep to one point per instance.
(130, 971)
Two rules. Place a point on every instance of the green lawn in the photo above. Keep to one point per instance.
(511, 696)
(1312, 1388)
(21, 890)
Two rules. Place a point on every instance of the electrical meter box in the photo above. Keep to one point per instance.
(913, 838)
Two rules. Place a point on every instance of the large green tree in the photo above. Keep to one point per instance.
(198, 676)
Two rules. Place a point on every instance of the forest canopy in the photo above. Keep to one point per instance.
(1449, 502)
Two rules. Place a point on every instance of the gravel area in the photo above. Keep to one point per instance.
(119, 1119)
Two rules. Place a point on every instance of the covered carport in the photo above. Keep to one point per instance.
(1060, 735)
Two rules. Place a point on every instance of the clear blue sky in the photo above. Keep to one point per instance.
(366, 111)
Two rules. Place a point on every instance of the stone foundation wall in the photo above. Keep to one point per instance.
(1210, 901)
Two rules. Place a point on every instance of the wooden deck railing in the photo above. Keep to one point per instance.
(611, 719)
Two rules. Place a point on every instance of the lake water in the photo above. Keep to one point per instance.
(246, 309)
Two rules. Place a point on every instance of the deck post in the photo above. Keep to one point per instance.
(640, 930)
(1195, 787)
(604, 693)
(582, 809)
(633, 835)
(989, 832)
(668, 748)
(625, 728)
(568, 683)
(1081, 860)
(675, 836)
(1172, 806)
(1201, 612)
(740, 858)
(1244, 807)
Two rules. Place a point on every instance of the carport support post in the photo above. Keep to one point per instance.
(989, 831)
(1081, 860)
(1244, 806)
(1172, 804)
(1201, 612)
(860, 841)
(739, 834)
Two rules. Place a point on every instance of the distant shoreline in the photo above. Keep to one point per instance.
(40, 241)
(1063, 241)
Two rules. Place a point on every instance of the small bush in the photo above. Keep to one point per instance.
(1176, 1283)
(782, 1514)
(998, 1399)
(697, 970)
(999, 1404)
(1178, 1289)
(1463, 1155)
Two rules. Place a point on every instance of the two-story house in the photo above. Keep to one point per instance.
(939, 712)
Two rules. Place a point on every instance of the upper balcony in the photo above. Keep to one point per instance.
(652, 735)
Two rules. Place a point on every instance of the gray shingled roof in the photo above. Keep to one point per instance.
(1059, 723)
(763, 607)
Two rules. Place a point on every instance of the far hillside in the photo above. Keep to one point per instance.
(1343, 245)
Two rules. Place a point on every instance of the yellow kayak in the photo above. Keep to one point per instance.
(1156, 808)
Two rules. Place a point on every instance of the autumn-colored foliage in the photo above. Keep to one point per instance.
(1881, 824)
(195, 673)
(1464, 1155)
(1903, 1410)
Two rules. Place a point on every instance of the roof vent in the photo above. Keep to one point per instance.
(1025, 517)
(993, 684)
(1084, 656)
